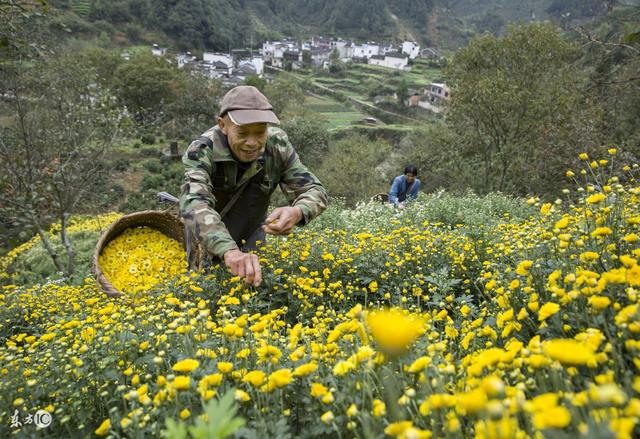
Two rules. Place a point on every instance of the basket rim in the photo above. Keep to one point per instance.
(106, 237)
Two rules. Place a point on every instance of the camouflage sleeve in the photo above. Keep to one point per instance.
(197, 202)
(301, 188)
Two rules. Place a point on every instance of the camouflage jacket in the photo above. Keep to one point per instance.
(205, 166)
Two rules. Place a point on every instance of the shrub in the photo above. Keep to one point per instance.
(148, 139)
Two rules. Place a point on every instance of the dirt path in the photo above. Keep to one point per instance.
(404, 30)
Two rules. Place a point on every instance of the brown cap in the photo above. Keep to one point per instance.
(245, 104)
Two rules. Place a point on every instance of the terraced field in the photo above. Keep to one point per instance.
(363, 81)
(337, 114)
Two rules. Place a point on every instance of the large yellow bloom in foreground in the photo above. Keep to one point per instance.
(568, 351)
(394, 330)
(187, 365)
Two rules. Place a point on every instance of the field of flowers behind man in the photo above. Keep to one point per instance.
(467, 316)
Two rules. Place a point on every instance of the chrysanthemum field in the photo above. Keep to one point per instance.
(493, 319)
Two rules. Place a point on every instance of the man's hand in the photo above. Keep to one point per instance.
(245, 265)
(282, 220)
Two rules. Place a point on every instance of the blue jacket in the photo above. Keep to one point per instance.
(399, 192)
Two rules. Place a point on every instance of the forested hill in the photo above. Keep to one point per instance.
(221, 24)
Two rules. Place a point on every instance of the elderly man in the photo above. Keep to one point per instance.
(231, 172)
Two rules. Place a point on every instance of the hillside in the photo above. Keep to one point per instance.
(220, 25)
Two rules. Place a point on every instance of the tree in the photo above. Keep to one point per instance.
(196, 108)
(309, 136)
(349, 169)
(334, 56)
(256, 81)
(402, 91)
(612, 58)
(148, 85)
(519, 109)
(52, 150)
(283, 93)
(104, 62)
(15, 19)
(306, 58)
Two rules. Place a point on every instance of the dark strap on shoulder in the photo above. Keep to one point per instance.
(207, 141)
(233, 200)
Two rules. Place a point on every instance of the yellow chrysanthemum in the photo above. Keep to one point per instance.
(569, 352)
(104, 428)
(393, 330)
(186, 366)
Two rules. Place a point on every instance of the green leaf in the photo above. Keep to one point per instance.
(175, 430)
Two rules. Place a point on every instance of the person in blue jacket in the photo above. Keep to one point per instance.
(405, 187)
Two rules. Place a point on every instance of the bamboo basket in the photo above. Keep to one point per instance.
(162, 221)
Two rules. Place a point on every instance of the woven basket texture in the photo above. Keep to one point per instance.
(159, 220)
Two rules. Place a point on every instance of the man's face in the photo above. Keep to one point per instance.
(410, 178)
(246, 141)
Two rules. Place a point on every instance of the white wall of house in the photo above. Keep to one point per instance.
(268, 48)
(396, 63)
(182, 59)
(411, 48)
(258, 63)
(346, 53)
(366, 50)
(344, 48)
(213, 57)
(377, 62)
(390, 62)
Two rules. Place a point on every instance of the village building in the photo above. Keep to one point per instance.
(439, 93)
(217, 69)
(411, 48)
(183, 59)
(414, 99)
(429, 52)
(292, 58)
(158, 51)
(320, 56)
(366, 50)
(393, 60)
(321, 42)
(344, 48)
(212, 57)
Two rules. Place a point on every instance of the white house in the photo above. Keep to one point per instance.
(258, 63)
(387, 49)
(245, 68)
(158, 51)
(217, 69)
(366, 50)
(344, 48)
(319, 56)
(273, 52)
(251, 66)
(321, 42)
(411, 48)
(268, 48)
(213, 57)
(393, 60)
(184, 58)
